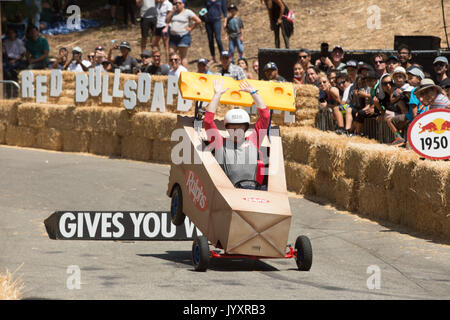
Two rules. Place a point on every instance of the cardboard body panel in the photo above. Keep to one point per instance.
(199, 86)
(241, 221)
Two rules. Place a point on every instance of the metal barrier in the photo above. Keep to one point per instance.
(373, 128)
(13, 87)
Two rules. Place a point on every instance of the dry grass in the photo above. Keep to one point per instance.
(10, 288)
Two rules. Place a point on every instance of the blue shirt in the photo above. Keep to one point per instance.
(215, 9)
(412, 100)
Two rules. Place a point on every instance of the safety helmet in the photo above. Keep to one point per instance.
(236, 116)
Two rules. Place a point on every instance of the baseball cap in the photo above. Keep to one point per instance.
(232, 6)
(338, 48)
(77, 49)
(352, 64)
(146, 53)
(371, 75)
(203, 60)
(270, 66)
(393, 57)
(99, 48)
(125, 44)
(441, 59)
(399, 70)
(416, 72)
(225, 54)
(445, 83)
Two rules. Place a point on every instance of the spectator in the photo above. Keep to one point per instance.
(229, 69)
(415, 76)
(329, 98)
(242, 62)
(400, 84)
(312, 76)
(125, 62)
(277, 9)
(99, 61)
(37, 49)
(14, 52)
(332, 77)
(358, 99)
(163, 7)
(175, 65)
(215, 10)
(271, 73)
(430, 95)
(235, 32)
(364, 69)
(445, 85)
(157, 67)
(61, 60)
(148, 21)
(299, 73)
(440, 66)
(405, 56)
(255, 67)
(391, 63)
(202, 66)
(91, 57)
(379, 63)
(146, 57)
(304, 57)
(180, 31)
(344, 84)
(129, 7)
(77, 64)
(352, 70)
(336, 58)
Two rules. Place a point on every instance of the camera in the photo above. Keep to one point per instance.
(324, 49)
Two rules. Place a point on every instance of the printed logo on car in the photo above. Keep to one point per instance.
(196, 190)
(256, 200)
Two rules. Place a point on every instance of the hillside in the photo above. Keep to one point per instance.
(342, 22)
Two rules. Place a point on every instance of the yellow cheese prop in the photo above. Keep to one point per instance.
(200, 87)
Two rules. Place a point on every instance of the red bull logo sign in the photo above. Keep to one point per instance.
(429, 134)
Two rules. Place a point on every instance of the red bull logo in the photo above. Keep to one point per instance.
(437, 126)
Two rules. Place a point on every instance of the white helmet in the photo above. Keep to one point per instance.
(236, 116)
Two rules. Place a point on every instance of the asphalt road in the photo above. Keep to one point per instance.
(35, 183)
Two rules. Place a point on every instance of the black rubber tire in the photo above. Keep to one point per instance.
(200, 253)
(176, 207)
(304, 253)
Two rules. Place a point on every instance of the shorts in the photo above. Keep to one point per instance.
(180, 41)
(343, 108)
(158, 32)
(360, 115)
(400, 122)
(147, 24)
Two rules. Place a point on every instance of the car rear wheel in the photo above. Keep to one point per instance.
(176, 206)
(304, 253)
(200, 253)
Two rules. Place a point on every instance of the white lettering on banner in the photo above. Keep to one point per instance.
(71, 226)
(128, 91)
(92, 225)
(137, 223)
(172, 88)
(80, 224)
(95, 82)
(117, 93)
(158, 98)
(118, 225)
(164, 226)
(183, 105)
(81, 87)
(189, 227)
(106, 97)
(74, 20)
(55, 83)
(41, 89)
(27, 84)
(146, 225)
(74, 280)
(144, 87)
(106, 224)
(196, 190)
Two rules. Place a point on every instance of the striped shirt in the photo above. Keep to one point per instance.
(441, 102)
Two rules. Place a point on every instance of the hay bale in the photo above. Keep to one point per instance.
(48, 138)
(60, 117)
(306, 96)
(2, 133)
(379, 166)
(325, 186)
(104, 144)
(330, 155)
(8, 111)
(345, 195)
(161, 151)
(137, 148)
(302, 144)
(32, 115)
(75, 141)
(306, 114)
(355, 160)
(86, 118)
(300, 178)
(20, 136)
(371, 201)
(402, 166)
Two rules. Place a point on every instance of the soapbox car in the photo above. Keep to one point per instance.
(244, 223)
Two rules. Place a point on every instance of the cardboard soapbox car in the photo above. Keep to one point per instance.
(243, 223)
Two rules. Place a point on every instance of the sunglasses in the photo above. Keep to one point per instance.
(174, 59)
(157, 56)
(385, 83)
(341, 82)
(303, 57)
(379, 62)
(175, 3)
(91, 56)
(144, 56)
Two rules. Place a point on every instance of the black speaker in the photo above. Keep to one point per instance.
(418, 42)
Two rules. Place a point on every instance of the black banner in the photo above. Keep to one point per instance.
(117, 225)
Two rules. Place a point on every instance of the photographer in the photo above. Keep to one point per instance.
(125, 62)
(76, 64)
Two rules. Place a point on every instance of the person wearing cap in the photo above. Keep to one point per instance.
(431, 96)
(99, 59)
(99, 48)
(379, 63)
(352, 69)
(404, 55)
(61, 60)
(157, 67)
(399, 77)
(235, 32)
(271, 72)
(76, 63)
(336, 55)
(37, 49)
(146, 61)
(391, 63)
(229, 69)
(415, 76)
(238, 154)
(445, 85)
(213, 24)
(125, 62)
(440, 66)
(202, 66)
(179, 20)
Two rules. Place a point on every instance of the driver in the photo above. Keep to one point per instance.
(238, 155)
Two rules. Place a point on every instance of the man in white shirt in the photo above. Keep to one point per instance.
(14, 51)
(76, 64)
(148, 20)
(163, 7)
(175, 65)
